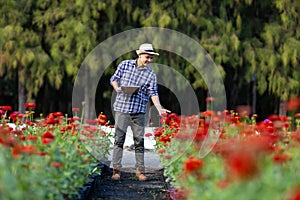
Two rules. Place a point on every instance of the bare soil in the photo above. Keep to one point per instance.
(129, 188)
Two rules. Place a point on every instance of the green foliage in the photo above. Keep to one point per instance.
(48, 169)
(252, 37)
(244, 163)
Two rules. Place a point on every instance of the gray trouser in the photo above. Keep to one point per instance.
(137, 123)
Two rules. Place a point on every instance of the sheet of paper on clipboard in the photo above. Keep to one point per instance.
(130, 89)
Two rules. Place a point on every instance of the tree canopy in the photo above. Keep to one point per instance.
(44, 41)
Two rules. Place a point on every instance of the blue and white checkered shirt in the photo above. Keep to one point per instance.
(128, 74)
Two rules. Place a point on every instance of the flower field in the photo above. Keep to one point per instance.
(50, 157)
(230, 156)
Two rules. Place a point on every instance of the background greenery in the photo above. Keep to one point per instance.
(254, 43)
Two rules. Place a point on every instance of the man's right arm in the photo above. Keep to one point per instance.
(116, 87)
(114, 80)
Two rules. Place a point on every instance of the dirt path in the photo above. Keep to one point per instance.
(129, 188)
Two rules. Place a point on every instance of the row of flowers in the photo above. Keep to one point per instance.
(229, 155)
(50, 157)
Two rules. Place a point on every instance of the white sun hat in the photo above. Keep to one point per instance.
(146, 48)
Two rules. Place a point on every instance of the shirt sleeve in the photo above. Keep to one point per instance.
(118, 73)
(152, 89)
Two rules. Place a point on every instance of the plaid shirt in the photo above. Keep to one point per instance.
(128, 74)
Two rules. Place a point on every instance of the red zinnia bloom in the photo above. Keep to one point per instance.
(58, 114)
(208, 113)
(293, 104)
(75, 109)
(274, 118)
(50, 121)
(281, 158)
(164, 120)
(6, 108)
(91, 121)
(167, 157)
(294, 194)
(47, 137)
(297, 115)
(42, 153)
(26, 149)
(56, 164)
(165, 138)
(158, 131)
(210, 99)
(102, 119)
(242, 164)
(30, 105)
(92, 128)
(32, 138)
(222, 184)
(193, 164)
(161, 151)
(148, 134)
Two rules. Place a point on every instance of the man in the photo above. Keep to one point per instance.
(130, 106)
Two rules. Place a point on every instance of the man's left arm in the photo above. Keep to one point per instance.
(160, 109)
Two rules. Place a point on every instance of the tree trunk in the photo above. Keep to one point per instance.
(86, 95)
(282, 108)
(21, 96)
(21, 93)
(254, 81)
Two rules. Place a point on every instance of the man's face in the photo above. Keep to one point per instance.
(146, 59)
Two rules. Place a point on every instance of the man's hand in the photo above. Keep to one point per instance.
(118, 89)
(163, 111)
(116, 86)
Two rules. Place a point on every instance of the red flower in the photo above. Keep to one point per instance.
(32, 138)
(148, 134)
(241, 164)
(297, 115)
(293, 104)
(91, 121)
(56, 164)
(30, 105)
(222, 184)
(75, 109)
(274, 118)
(20, 149)
(164, 120)
(47, 137)
(281, 158)
(42, 153)
(6, 108)
(58, 114)
(102, 119)
(193, 164)
(161, 151)
(158, 131)
(165, 138)
(208, 113)
(294, 194)
(210, 99)
(201, 133)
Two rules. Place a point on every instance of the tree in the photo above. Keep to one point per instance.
(22, 53)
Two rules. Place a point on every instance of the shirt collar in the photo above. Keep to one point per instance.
(140, 68)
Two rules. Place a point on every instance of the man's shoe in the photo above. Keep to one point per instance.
(140, 175)
(116, 175)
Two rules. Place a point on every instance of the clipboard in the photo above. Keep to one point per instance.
(130, 89)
